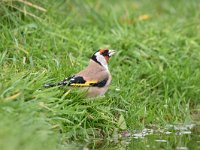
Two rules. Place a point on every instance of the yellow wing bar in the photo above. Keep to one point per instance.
(88, 83)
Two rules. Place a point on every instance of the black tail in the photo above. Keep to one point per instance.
(61, 83)
(50, 85)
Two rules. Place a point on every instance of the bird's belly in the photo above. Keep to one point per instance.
(96, 91)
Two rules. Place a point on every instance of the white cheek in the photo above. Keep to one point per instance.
(102, 60)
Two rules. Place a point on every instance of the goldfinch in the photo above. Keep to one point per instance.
(95, 78)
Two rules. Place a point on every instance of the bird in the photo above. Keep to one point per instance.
(95, 78)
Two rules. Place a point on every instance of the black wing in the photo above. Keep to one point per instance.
(78, 81)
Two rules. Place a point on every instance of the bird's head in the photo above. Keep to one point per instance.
(102, 56)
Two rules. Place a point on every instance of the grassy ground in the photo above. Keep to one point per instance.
(156, 68)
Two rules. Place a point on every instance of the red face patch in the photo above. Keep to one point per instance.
(102, 50)
(104, 53)
(106, 58)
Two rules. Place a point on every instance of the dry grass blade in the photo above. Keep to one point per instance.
(26, 3)
(25, 12)
(32, 5)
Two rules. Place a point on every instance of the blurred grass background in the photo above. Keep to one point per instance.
(156, 71)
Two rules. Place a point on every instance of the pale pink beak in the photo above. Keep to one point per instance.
(111, 52)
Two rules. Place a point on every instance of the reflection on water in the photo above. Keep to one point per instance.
(175, 137)
(179, 137)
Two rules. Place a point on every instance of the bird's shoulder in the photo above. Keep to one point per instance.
(93, 75)
(97, 80)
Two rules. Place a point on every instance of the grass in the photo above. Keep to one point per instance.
(156, 68)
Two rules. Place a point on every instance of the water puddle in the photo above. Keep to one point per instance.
(179, 129)
(179, 137)
(176, 137)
